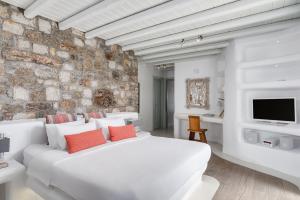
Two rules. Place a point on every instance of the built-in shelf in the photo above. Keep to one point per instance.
(272, 85)
(292, 129)
(270, 61)
(276, 148)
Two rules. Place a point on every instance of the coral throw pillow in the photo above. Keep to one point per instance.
(60, 118)
(121, 132)
(84, 140)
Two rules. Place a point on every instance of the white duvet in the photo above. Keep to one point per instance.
(144, 168)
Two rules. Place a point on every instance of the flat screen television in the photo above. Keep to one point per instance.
(275, 110)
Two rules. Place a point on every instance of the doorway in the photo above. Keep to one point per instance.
(163, 102)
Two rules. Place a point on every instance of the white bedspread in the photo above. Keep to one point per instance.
(146, 167)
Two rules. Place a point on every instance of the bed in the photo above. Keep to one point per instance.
(145, 167)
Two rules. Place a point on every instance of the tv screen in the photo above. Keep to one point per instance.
(274, 109)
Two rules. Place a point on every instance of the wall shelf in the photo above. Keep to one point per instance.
(293, 129)
(270, 61)
(272, 85)
(276, 148)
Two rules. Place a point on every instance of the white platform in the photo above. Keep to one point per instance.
(204, 190)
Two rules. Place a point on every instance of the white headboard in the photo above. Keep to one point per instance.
(22, 134)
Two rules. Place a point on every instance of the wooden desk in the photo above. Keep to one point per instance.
(184, 116)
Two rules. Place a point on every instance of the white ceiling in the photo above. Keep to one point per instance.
(155, 28)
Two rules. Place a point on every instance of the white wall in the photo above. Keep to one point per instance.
(146, 73)
(200, 68)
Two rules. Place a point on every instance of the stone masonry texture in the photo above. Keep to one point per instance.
(45, 71)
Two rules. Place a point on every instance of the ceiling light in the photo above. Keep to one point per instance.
(182, 42)
(199, 38)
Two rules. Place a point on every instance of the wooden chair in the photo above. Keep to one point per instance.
(194, 127)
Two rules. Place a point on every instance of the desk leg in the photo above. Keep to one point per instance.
(176, 127)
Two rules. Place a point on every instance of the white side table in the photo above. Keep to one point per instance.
(7, 174)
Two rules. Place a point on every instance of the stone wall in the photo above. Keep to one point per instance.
(44, 70)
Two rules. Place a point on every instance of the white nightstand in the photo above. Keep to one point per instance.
(9, 173)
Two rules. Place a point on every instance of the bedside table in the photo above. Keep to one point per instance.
(9, 173)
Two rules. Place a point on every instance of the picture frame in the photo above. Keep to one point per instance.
(197, 93)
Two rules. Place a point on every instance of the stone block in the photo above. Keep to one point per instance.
(120, 68)
(12, 27)
(24, 44)
(52, 94)
(63, 54)
(67, 105)
(2, 69)
(78, 42)
(112, 64)
(19, 17)
(67, 96)
(86, 102)
(19, 116)
(91, 42)
(40, 49)
(51, 83)
(64, 76)
(77, 32)
(21, 94)
(52, 51)
(87, 93)
(94, 84)
(38, 96)
(130, 109)
(44, 72)
(4, 11)
(68, 66)
(29, 57)
(44, 26)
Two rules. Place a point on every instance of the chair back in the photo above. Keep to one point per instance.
(194, 123)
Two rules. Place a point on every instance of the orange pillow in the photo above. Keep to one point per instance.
(121, 132)
(84, 140)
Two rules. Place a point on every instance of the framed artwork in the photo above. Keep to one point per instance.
(197, 93)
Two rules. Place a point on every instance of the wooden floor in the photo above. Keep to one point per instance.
(241, 183)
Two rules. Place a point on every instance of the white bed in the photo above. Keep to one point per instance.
(144, 167)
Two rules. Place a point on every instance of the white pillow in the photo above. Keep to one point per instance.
(70, 130)
(103, 123)
(51, 130)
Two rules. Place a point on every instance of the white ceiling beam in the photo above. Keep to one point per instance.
(291, 11)
(223, 37)
(140, 17)
(233, 9)
(33, 10)
(184, 56)
(187, 50)
(87, 13)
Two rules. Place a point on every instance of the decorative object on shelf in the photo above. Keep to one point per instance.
(270, 142)
(286, 142)
(4, 147)
(197, 93)
(251, 136)
(104, 98)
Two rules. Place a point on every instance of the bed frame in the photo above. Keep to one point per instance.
(27, 132)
